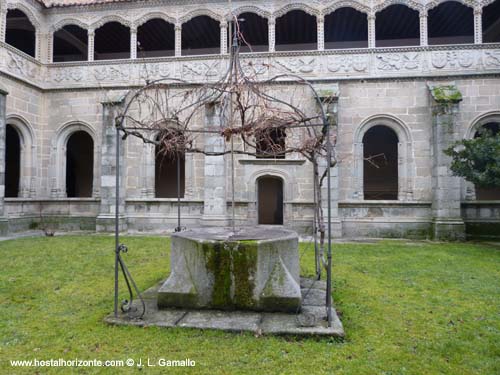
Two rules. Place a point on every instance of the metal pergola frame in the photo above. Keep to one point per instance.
(126, 305)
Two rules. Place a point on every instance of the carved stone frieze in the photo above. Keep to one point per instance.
(197, 70)
(492, 59)
(112, 72)
(297, 65)
(347, 63)
(156, 71)
(398, 61)
(322, 65)
(453, 59)
(68, 74)
(22, 66)
(255, 67)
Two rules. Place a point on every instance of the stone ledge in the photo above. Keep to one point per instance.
(270, 161)
(310, 321)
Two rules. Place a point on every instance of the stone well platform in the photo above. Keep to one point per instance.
(250, 268)
(310, 321)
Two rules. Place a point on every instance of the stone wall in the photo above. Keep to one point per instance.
(47, 102)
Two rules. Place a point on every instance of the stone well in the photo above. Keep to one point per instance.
(254, 268)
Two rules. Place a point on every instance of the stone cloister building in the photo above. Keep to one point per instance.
(408, 79)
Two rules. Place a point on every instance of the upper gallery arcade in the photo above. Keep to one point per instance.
(55, 31)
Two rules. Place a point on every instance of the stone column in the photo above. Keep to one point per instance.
(133, 43)
(44, 47)
(4, 224)
(371, 31)
(178, 40)
(3, 21)
(50, 47)
(478, 25)
(320, 21)
(90, 46)
(38, 45)
(147, 172)
(215, 202)
(106, 219)
(424, 39)
(272, 34)
(329, 97)
(446, 212)
(223, 38)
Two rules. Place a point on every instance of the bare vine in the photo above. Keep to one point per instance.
(244, 109)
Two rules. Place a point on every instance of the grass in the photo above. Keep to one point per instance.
(419, 308)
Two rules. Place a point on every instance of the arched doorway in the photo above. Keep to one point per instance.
(488, 193)
(79, 165)
(270, 200)
(12, 162)
(380, 163)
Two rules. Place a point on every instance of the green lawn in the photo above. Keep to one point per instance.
(417, 308)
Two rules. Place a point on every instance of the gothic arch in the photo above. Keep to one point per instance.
(482, 119)
(346, 4)
(485, 3)
(200, 12)
(435, 3)
(66, 22)
(406, 168)
(390, 121)
(151, 16)
(27, 176)
(27, 11)
(296, 6)
(409, 3)
(59, 148)
(251, 9)
(113, 18)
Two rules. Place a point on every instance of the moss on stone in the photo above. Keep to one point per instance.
(218, 262)
(244, 268)
(446, 94)
(233, 266)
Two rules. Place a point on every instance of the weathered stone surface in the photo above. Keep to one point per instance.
(314, 297)
(281, 291)
(446, 209)
(309, 320)
(228, 321)
(254, 268)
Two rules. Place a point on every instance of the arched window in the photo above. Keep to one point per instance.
(12, 162)
(271, 143)
(270, 200)
(70, 44)
(491, 23)
(380, 165)
(254, 30)
(346, 28)
(20, 32)
(201, 36)
(170, 173)
(492, 193)
(79, 165)
(112, 41)
(296, 31)
(155, 38)
(451, 23)
(397, 25)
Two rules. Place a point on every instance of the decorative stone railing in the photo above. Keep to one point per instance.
(314, 65)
